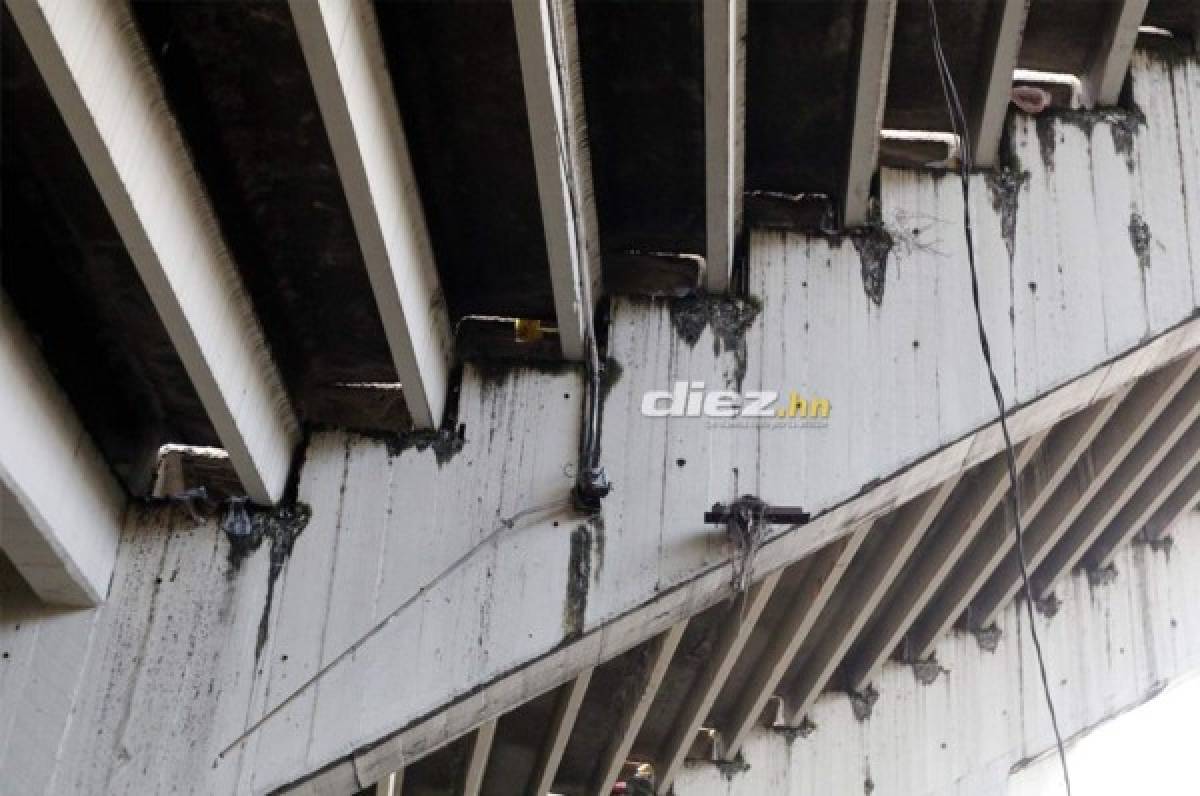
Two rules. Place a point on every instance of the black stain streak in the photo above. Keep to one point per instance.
(728, 317)
(988, 638)
(1048, 606)
(873, 243)
(246, 527)
(610, 373)
(1158, 544)
(579, 578)
(731, 768)
(1122, 125)
(1004, 186)
(805, 728)
(598, 543)
(1139, 237)
(445, 442)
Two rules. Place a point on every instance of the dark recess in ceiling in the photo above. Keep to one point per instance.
(914, 97)
(236, 79)
(643, 71)
(439, 773)
(69, 278)
(799, 86)
(1181, 17)
(1062, 35)
(613, 691)
(692, 658)
(521, 735)
(457, 77)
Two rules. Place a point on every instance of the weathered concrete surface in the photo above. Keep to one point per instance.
(170, 676)
(1108, 648)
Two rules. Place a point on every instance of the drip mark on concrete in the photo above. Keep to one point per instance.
(579, 578)
(1102, 576)
(1139, 238)
(988, 637)
(1004, 186)
(1048, 606)
(1158, 544)
(246, 526)
(730, 768)
(728, 317)
(863, 703)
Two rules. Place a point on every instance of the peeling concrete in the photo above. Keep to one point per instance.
(863, 704)
(1139, 238)
(729, 318)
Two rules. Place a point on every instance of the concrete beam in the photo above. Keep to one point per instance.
(345, 58)
(955, 532)
(870, 98)
(822, 573)
(547, 42)
(988, 114)
(1064, 517)
(984, 711)
(1168, 476)
(724, 135)
(477, 758)
(140, 164)
(627, 730)
(1110, 62)
(1108, 484)
(704, 692)
(1058, 504)
(566, 711)
(1039, 482)
(61, 509)
(901, 536)
(618, 619)
(661, 564)
(992, 541)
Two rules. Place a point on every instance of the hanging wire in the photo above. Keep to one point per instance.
(958, 121)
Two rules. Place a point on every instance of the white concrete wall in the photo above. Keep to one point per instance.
(1109, 647)
(166, 674)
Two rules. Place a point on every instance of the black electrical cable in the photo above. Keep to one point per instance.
(959, 123)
